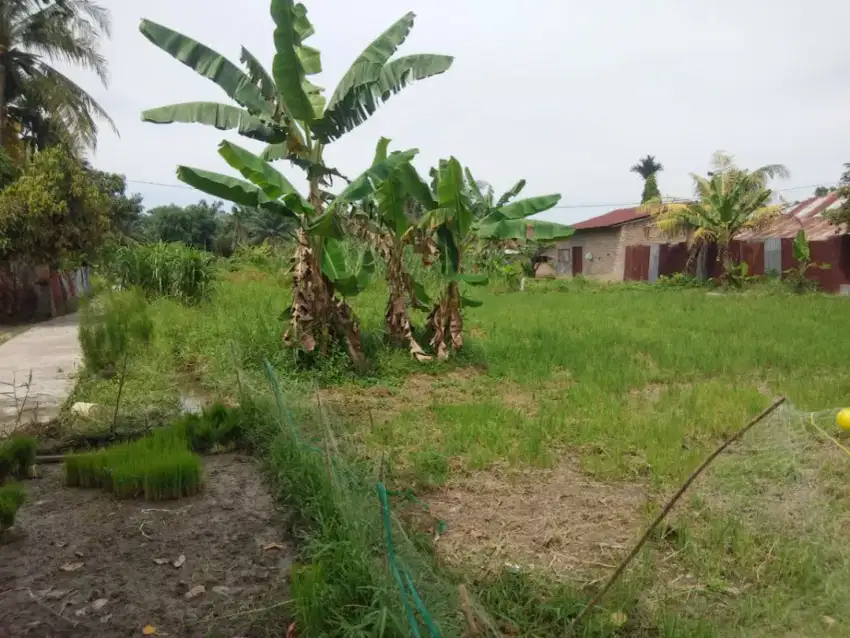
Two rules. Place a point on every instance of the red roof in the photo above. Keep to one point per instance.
(614, 218)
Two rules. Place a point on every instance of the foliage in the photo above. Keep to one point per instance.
(40, 105)
(216, 425)
(841, 215)
(453, 230)
(287, 111)
(9, 169)
(195, 225)
(730, 200)
(12, 496)
(54, 210)
(124, 211)
(17, 454)
(162, 270)
(796, 276)
(823, 191)
(113, 326)
(157, 467)
(648, 169)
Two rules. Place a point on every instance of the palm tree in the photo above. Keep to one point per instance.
(35, 33)
(647, 168)
(729, 200)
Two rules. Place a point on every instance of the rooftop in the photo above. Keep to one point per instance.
(614, 218)
(806, 215)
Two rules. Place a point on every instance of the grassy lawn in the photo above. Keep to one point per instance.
(560, 430)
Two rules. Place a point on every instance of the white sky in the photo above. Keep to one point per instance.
(566, 93)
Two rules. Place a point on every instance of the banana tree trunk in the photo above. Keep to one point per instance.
(399, 327)
(2, 95)
(446, 322)
(316, 315)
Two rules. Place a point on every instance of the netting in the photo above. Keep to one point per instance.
(765, 530)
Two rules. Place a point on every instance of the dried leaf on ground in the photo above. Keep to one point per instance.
(149, 630)
(71, 567)
(273, 546)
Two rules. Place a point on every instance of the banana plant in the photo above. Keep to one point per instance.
(451, 221)
(383, 220)
(284, 109)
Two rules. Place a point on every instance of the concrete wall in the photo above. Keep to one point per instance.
(29, 293)
(601, 244)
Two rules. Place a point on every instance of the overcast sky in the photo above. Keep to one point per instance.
(566, 93)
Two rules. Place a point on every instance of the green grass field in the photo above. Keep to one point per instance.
(591, 404)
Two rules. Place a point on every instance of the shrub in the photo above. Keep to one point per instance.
(163, 270)
(112, 326)
(17, 454)
(157, 467)
(12, 496)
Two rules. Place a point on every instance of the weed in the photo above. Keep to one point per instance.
(216, 425)
(111, 327)
(17, 454)
(12, 496)
(170, 270)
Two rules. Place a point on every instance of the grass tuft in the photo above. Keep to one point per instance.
(12, 496)
(17, 455)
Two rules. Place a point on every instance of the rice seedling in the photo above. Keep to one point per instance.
(12, 496)
(17, 455)
(157, 467)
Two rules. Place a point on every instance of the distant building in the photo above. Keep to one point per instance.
(625, 245)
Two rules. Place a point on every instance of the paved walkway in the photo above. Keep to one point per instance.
(52, 352)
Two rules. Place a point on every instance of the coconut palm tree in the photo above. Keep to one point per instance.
(33, 35)
(290, 113)
(729, 200)
(647, 168)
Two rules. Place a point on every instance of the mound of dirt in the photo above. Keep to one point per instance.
(81, 563)
(558, 520)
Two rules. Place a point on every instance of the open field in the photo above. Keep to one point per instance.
(553, 438)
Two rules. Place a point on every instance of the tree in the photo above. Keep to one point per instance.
(730, 200)
(52, 211)
(823, 191)
(287, 111)
(125, 211)
(841, 215)
(648, 169)
(31, 90)
(454, 230)
(195, 225)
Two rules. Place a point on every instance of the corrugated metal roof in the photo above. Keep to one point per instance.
(614, 218)
(806, 215)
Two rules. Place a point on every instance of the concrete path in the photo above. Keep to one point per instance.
(52, 352)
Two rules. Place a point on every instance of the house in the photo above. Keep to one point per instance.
(621, 245)
(625, 245)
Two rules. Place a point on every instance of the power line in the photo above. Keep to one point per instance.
(139, 181)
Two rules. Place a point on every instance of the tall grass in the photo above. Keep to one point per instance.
(163, 270)
(12, 496)
(17, 454)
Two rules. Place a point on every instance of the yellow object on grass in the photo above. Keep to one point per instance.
(843, 419)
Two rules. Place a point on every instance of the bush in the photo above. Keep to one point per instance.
(157, 467)
(17, 455)
(12, 496)
(111, 327)
(163, 270)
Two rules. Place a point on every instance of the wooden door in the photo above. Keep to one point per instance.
(578, 260)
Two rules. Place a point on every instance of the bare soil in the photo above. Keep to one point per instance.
(557, 520)
(82, 563)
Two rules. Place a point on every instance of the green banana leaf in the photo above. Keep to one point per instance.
(391, 200)
(512, 192)
(364, 184)
(335, 268)
(451, 195)
(525, 207)
(287, 68)
(381, 150)
(423, 300)
(328, 225)
(258, 74)
(258, 172)
(518, 229)
(231, 189)
(800, 248)
(473, 186)
(415, 186)
(470, 303)
(367, 66)
(472, 279)
(449, 253)
(210, 64)
(222, 116)
(364, 99)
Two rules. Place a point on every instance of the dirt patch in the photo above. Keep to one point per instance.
(83, 563)
(555, 519)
